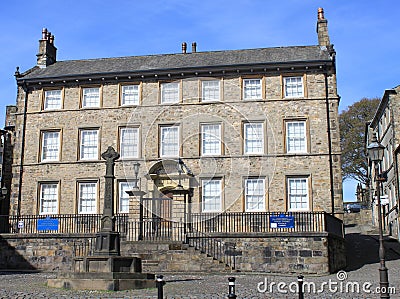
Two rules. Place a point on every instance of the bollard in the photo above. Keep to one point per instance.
(300, 284)
(231, 294)
(160, 284)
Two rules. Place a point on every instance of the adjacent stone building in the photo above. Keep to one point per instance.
(385, 124)
(257, 128)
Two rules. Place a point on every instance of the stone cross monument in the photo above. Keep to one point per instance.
(106, 269)
(107, 239)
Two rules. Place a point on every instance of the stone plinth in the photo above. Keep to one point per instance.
(112, 273)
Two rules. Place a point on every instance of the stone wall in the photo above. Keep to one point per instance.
(364, 217)
(46, 252)
(275, 253)
(319, 253)
(275, 165)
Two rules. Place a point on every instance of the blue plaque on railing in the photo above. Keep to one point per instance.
(281, 221)
(47, 224)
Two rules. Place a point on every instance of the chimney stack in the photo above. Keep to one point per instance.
(184, 47)
(47, 51)
(322, 29)
(194, 47)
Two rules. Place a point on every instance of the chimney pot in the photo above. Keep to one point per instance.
(44, 33)
(184, 47)
(322, 29)
(52, 39)
(194, 47)
(321, 14)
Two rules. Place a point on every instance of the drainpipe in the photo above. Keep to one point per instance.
(21, 165)
(396, 164)
(328, 120)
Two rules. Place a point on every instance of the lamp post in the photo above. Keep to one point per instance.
(375, 153)
(137, 192)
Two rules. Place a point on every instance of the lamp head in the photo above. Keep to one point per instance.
(136, 167)
(375, 150)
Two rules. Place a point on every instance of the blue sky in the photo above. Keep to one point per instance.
(365, 35)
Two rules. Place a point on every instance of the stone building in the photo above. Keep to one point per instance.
(258, 127)
(384, 125)
(239, 132)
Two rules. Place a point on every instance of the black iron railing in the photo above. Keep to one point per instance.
(259, 222)
(160, 229)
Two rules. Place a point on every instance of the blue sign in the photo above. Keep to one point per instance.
(47, 224)
(281, 221)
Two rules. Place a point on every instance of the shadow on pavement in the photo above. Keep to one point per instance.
(363, 249)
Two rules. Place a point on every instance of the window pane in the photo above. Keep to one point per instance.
(254, 138)
(255, 194)
(50, 146)
(298, 193)
(210, 91)
(129, 143)
(211, 195)
(294, 87)
(170, 93)
(52, 99)
(296, 137)
(87, 198)
(48, 198)
(91, 97)
(252, 89)
(130, 95)
(169, 141)
(211, 139)
(88, 148)
(123, 204)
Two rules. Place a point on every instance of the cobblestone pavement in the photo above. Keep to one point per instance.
(362, 271)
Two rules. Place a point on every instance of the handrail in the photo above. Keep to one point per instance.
(212, 247)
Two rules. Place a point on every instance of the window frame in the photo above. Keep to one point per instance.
(203, 91)
(203, 141)
(204, 183)
(42, 145)
(122, 191)
(285, 85)
(304, 141)
(161, 144)
(83, 99)
(246, 194)
(45, 98)
(307, 195)
(96, 197)
(252, 97)
(53, 204)
(122, 94)
(245, 138)
(81, 151)
(121, 145)
(163, 86)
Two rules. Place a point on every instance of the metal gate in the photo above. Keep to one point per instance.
(164, 219)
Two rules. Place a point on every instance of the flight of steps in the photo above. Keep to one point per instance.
(158, 257)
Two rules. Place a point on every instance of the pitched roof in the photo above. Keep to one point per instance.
(153, 63)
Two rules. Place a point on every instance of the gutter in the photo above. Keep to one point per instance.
(191, 71)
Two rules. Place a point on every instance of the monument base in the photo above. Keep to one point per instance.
(112, 273)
